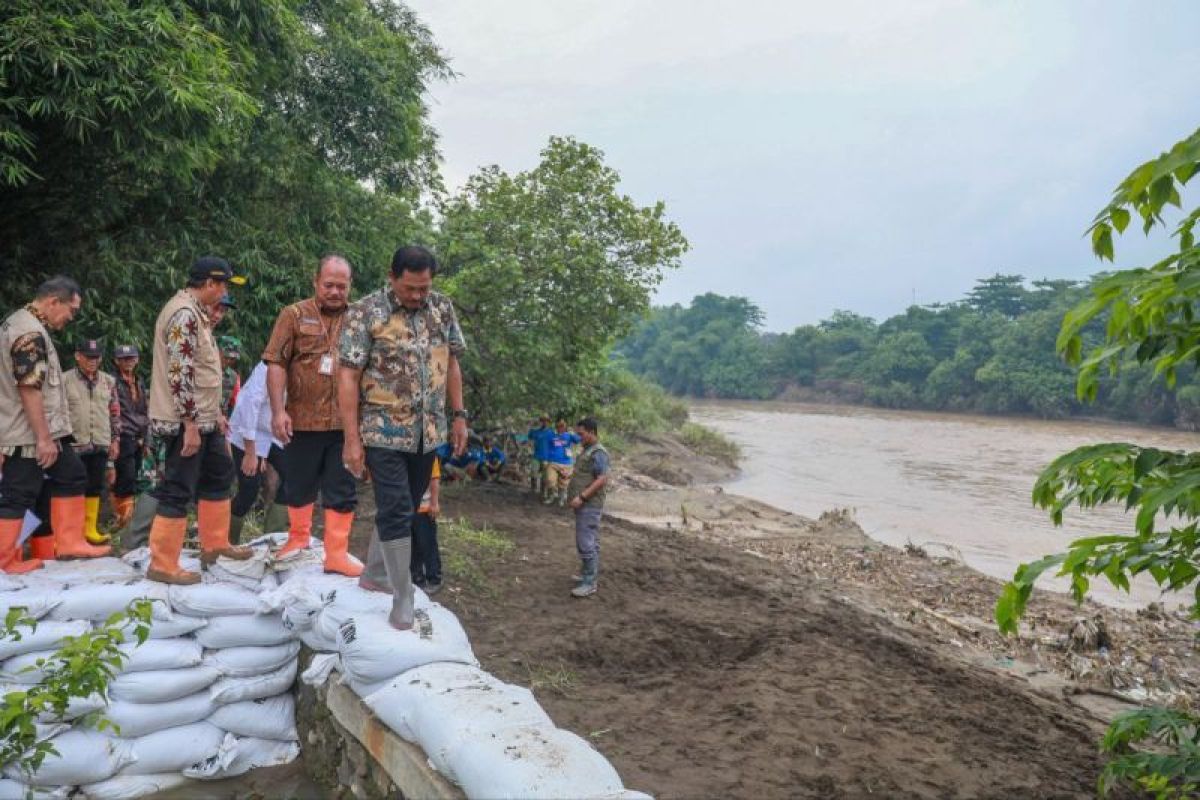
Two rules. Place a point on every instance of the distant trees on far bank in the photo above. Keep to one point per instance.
(991, 352)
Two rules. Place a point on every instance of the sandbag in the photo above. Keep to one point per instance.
(373, 651)
(249, 753)
(25, 668)
(138, 719)
(252, 573)
(36, 602)
(180, 625)
(83, 757)
(161, 685)
(48, 636)
(244, 662)
(100, 601)
(266, 718)
(173, 749)
(440, 706)
(131, 787)
(76, 708)
(233, 690)
(16, 790)
(244, 630)
(213, 600)
(88, 571)
(531, 763)
(155, 654)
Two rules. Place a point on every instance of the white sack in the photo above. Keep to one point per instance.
(173, 749)
(161, 685)
(180, 625)
(79, 706)
(245, 662)
(83, 757)
(244, 630)
(131, 787)
(87, 571)
(139, 719)
(532, 763)
(24, 668)
(268, 718)
(97, 602)
(48, 636)
(213, 600)
(320, 667)
(157, 654)
(37, 602)
(15, 790)
(249, 753)
(373, 651)
(233, 690)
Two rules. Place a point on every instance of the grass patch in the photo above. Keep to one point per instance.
(468, 551)
(710, 443)
(558, 679)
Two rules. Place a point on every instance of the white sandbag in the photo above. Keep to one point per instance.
(296, 602)
(440, 706)
(173, 749)
(373, 651)
(36, 602)
(155, 654)
(131, 787)
(78, 707)
(244, 662)
(49, 635)
(249, 573)
(244, 630)
(161, 685)
(266, 718)
(216, 574)
(16, 790)
(249, 753)
(25, 668)
(320, 668)
(213, 600)
(97, 602)
(138, 719)
(531, 763)
(233, 690)
(180, 625)
(83, 757)
(88, 571)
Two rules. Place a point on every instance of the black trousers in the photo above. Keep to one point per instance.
(126, 465)
(248, 487)
(313, 460)
(93, 465)
(23, 479)
(400, 480)
(426, 563)
(207, 474)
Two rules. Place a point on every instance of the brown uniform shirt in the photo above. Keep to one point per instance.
(302, 339)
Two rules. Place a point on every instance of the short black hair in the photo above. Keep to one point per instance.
(413, 258)
(59, 287)
(589, 425)
(325, 259)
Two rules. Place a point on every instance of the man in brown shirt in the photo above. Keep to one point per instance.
(301, 366)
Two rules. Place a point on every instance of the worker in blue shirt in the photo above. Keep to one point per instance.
(493, 461)
(539, 439)
(559, 463)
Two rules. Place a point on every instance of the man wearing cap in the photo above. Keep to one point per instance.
(95, 426)
(231, 381)
(131, 397)
(301, 359)
(187, 427)
(35, 424)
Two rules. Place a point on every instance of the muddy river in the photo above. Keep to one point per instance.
(954, 484)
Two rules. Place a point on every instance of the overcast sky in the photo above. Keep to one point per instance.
(833, 155)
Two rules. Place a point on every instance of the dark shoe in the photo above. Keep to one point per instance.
(432, 588)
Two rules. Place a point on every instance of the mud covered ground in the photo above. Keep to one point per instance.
(706, 669)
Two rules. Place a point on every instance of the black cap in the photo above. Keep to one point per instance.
(213, 267)
(89, 348)
(126, 351)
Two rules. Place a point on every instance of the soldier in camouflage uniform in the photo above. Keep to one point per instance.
(231, 381)
(587, 489)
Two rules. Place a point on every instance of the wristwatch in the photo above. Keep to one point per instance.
(460, 413)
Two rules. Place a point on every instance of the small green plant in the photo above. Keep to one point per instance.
(558, 679)
(710, 443)
(467, 552)
(82, 667)
(1170, 769)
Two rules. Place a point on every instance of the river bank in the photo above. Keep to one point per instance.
(738, 650)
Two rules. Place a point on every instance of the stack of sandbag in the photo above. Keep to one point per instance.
(207, 696)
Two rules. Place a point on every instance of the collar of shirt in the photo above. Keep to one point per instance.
(38, 315)
(396, 305)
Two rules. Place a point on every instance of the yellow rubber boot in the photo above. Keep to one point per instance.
(91, 515)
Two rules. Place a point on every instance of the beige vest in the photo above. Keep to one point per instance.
(207, 382)
(15, 429)
(91, 424)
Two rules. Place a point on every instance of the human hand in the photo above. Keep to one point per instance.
(353, 458)
(114, 450)
(435, 508)
(251, 465)
(191, 440)
(47, 453)
(576, 502)
(458, 436)
(281, 426)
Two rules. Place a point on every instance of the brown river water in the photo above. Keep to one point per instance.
(954, 484)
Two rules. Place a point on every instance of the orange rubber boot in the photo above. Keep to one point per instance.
(166, 543)
(42, 547)
(337, 543)
(299, 529)
(123, 508)
(67, 518)
(213, 518)
(11, 560)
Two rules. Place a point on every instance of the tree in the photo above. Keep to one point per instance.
(548, 268)
(1000, 294)
(1151, 320)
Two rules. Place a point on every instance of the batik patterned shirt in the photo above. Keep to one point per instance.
(404, 357)
(183, 340)
(30, 356)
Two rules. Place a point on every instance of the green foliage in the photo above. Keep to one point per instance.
(1169, 769)
(711, 443)
(82, 667)
(548, 268)
(470, 553)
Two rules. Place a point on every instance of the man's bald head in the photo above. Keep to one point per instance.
(332, 282)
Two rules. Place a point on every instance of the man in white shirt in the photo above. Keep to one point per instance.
(254, 446)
